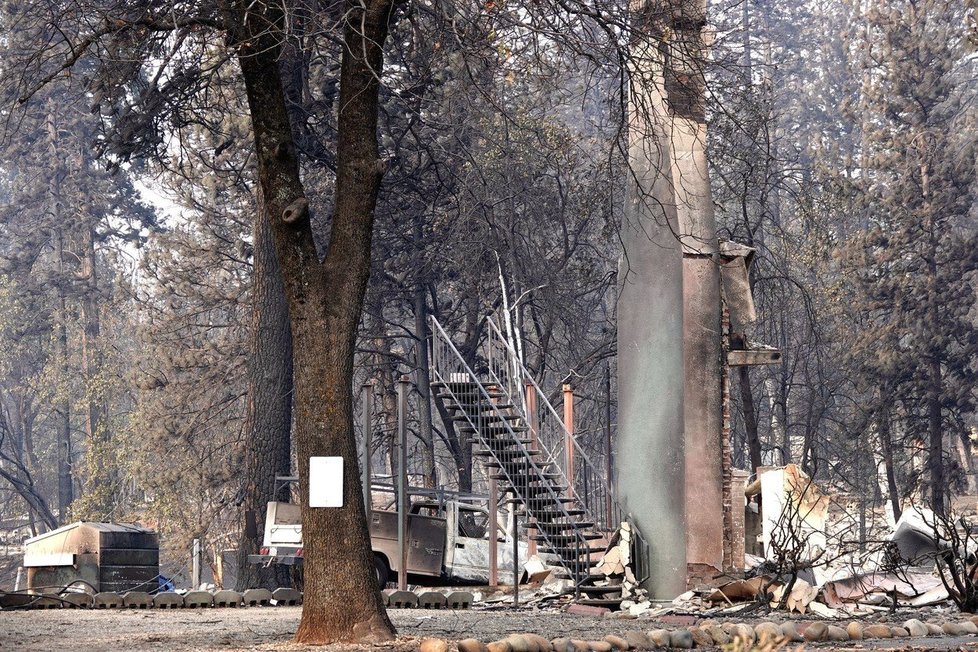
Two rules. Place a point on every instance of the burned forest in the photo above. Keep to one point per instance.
(552, 326)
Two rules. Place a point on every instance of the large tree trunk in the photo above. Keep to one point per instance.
(935, 379)
(424, 386)
(268, 443)
(341, 599)
(886, 446)
(750, 418)
(63, 406)
(383, 370)
(101, 469)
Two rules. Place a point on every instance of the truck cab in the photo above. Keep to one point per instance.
(445, 539)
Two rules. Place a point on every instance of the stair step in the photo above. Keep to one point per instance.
(573, 552)
(475, 402)
(586, 580)
(507, 455)
(490, 430)
(537, 477)
(555, 536)
(561, 538)
(510, 441)
(610, 602)
(458, 388)
(474, 407)
(470, 399)
(547, 508)
(533, 509)
(505, 474)
(489, 416)
(554, 527)
(598, 590)
(531, 490)
(543, 515)
(519, 466)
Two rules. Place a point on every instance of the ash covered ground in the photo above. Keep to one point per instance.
(272, 629)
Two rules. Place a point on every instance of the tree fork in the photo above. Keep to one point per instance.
(341, 601)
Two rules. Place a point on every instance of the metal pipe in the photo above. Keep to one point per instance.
(533, 423)
(493, 533)
(402, 497)
(516, 556)
(569, 437)
(609, 469)
(368, 408)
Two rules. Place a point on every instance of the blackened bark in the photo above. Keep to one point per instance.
(101, 470)
(424, 386)
(935, 454)
(750, 418)
(268, 442)
(935, 378)
(383, 371)
(63, 408)
(341, 600)
(886, 446)
(460, 446)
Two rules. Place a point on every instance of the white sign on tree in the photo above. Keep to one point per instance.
(325, 481)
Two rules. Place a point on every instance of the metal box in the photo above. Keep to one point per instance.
(108, 556)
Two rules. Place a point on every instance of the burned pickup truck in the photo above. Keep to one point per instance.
(446, 539)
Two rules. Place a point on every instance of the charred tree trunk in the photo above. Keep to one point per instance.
(886, 446)
(383, 370)
(750, 418)
(63, 406)
(424, 386)
(341, 600)
(101, 470)
(268, 442)
(935, 379)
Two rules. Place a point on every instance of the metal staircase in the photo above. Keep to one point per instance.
(524, 443)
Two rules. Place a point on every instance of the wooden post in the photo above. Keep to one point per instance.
(402, 484)
(493, 533)
(533, 423)
(516, 556)
(569, 437)
(609, 467)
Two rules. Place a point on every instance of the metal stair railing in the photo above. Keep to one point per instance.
(448, 367)
(590, 487)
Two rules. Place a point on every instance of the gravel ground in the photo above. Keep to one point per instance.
(272, 629)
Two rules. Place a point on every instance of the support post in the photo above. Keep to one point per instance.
(365, 452)
(533, 423)
(569, 437)
(493, 533)
(402, 484)
(195, 567)
(609, 467)
(516, 556)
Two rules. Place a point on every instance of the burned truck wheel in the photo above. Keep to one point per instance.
(381, 570)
